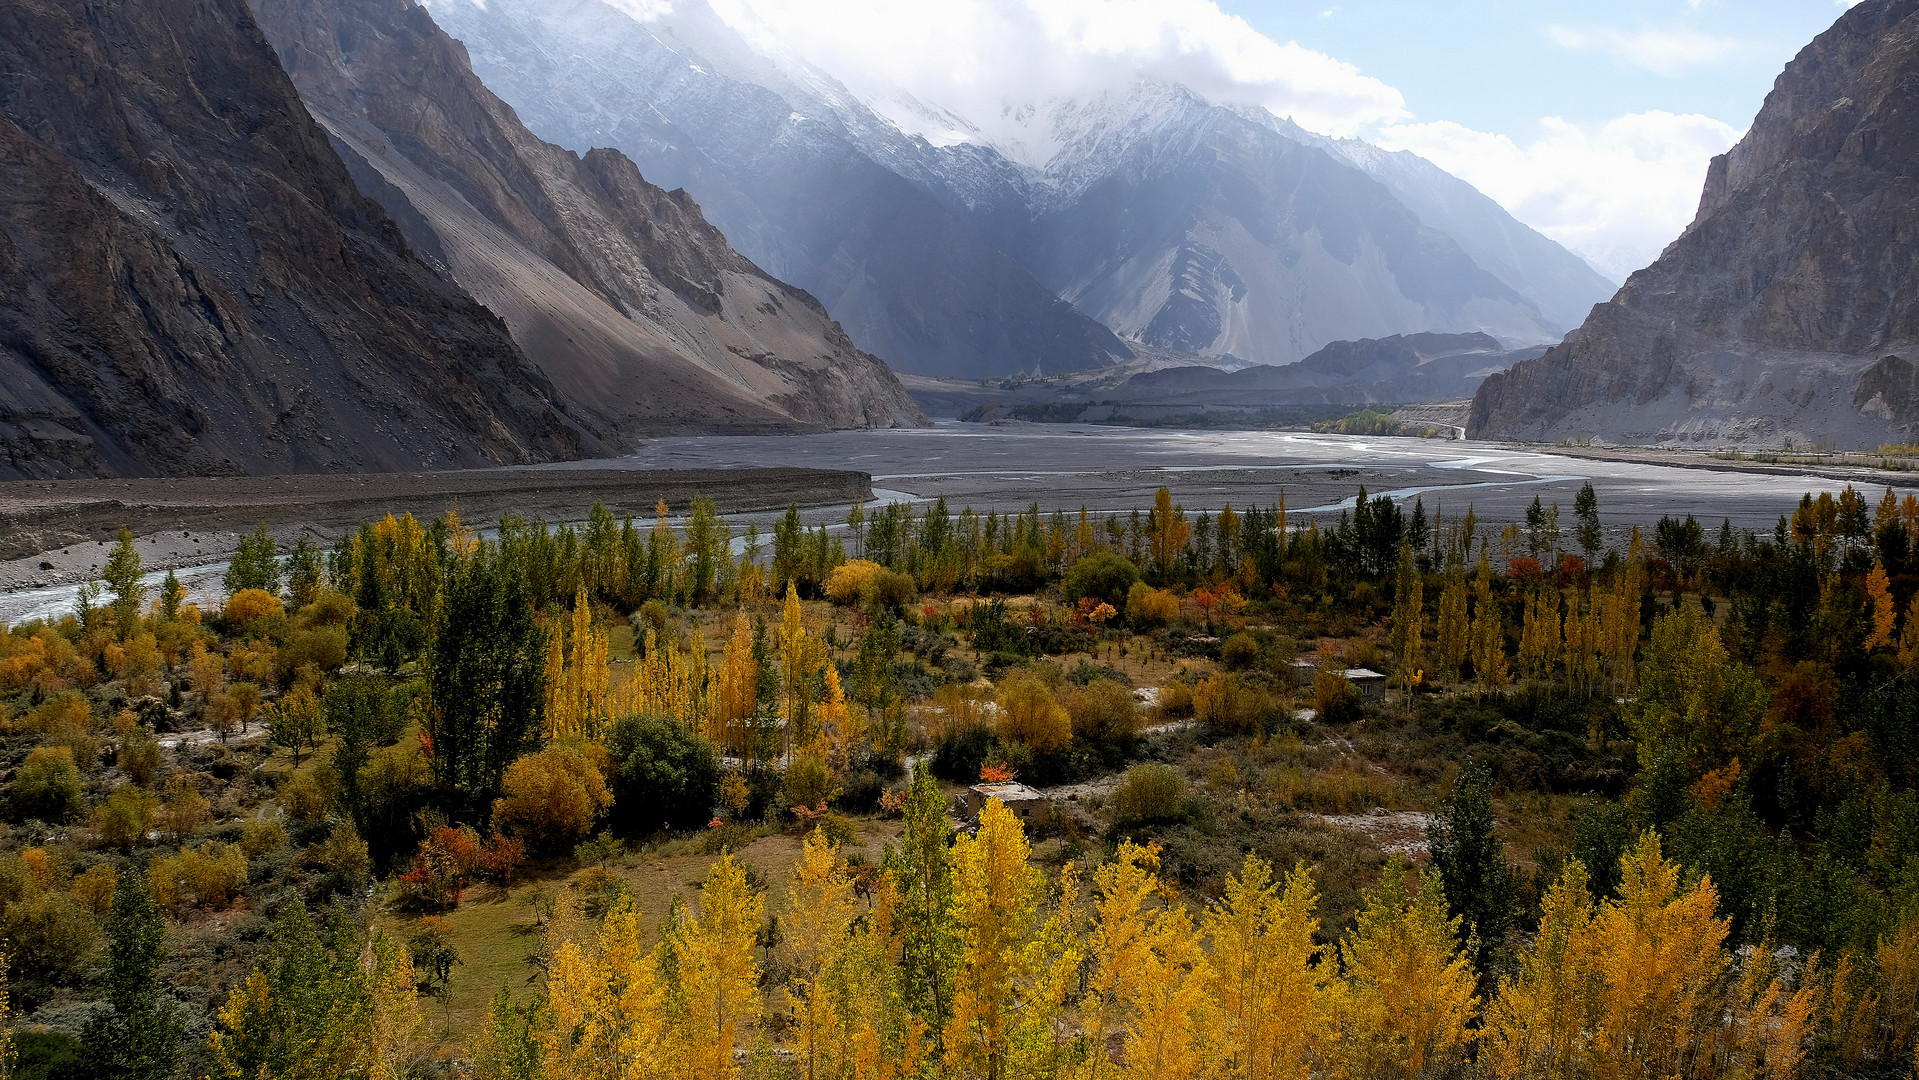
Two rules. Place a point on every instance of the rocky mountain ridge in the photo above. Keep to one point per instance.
(175, 231)
(632, 304)
(1788, 311)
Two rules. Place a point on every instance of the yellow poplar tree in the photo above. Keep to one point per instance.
(1409, 618)
(1122, 890)
(1010, 975)
(1536, 1026)
(738, 692)
(1909, 640)
(818, 926)
(1658, 952)
(718, 975)
(1879, 595)
(1488, 631)
(606, 1009)
(1454, 642)
(1407, 993)
(1264, 983)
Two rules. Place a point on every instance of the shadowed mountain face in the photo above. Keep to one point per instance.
(910, 278)
(1397, 370)
(1789, 309)
(636, 308)
(191, 283)
(1177, 224)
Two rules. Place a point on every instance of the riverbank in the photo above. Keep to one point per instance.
(56, 531)
(1831, 467)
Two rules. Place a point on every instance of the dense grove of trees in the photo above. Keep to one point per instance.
(452, 707)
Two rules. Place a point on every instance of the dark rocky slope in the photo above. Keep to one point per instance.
(1789, 309)
(636, 308)
(191, 283)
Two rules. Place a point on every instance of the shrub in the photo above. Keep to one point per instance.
(94, 888)
(1103, 576)
(325, 648)
(1240, 651)
(249, 604)
(185, 810)
(304, 797)
(209, 876)
(1149, 607)
(1334, 697)
(1175, 700)
(552, 798)
(124, 818)
(888, 590)
(667, 776)
(1029, 713)
(259, 838)
(139, 755)
(1225, 701)
(844, 584)
(47, 786)
(1103, 711)
(960, 751)
(808, 782)
(50, 934)
(345, 854)
(1149, 794)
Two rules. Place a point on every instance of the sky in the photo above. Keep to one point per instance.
(1592, 122)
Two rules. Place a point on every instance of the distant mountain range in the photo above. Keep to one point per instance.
(1788, 311)
(1398, 370)
(1142, 217)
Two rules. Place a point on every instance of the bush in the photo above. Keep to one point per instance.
(48, 786)
(325, 648)
(1334, 697)
(208, 876)
(1103, 576)
(1240, 652)
(961, 750)
(1148, 607)
(1224, 700)
(249, 604)
(808, 783)
(139, 755)
(126, 815)
(1150, 794)
(94, 888)
(667, 776)
(552, 798)
(888, 591)
(259, 838)
(1029, 714)
(844, 584)
(50, 935)
(1103, 711)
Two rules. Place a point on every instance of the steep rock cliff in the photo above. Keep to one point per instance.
(1789, 308)
(191, 283)
(636, 308)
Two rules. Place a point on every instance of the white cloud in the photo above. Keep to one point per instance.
(981, 58)
(1616, 192)
(1660, 51)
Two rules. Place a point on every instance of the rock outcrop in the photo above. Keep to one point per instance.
(637, 309)
(190, 282)
(1789, 309)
